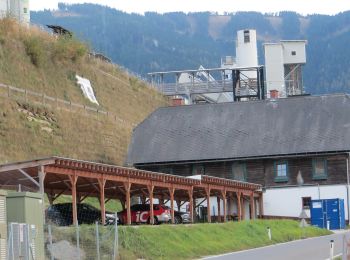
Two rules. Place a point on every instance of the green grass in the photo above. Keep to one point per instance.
(193, 241)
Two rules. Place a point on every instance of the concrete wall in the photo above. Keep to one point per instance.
(274, 69)
(287, 202)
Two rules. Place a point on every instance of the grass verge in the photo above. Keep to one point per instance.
(193, 241)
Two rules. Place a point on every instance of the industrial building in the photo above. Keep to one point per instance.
(241, 78)
(283, 68)
(17, 9)
(297, 148)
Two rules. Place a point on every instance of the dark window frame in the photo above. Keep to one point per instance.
(197, 166)
(306, 202)
(244, 168)
(318, 176)
(275, 169)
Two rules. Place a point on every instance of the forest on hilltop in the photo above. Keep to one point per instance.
(160, 42)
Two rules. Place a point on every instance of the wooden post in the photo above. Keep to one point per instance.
(42, 174)
(239, 206)
(252, 206)
(207, 191)
(151, 213)
(261, 206)
(102, 183)
(194, 209)
(243, 207)
(127, 186)
(73, 180)
(171, 193)
(218, 219)
(190, 195)
(223, 194)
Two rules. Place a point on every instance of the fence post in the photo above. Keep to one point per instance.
(50, 241)
(115, 246)
(8, 91)
(77, 235)
(331, 250)
(97, 242)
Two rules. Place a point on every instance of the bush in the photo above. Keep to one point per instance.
(67, 48)
(34, 50)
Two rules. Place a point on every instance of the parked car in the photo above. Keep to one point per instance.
(180, 217)
(140, 213)
(62, 214)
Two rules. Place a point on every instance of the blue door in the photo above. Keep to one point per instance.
(318, 213)
(333, 213)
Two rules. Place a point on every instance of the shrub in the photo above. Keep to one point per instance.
(69, 49)
(34, 50)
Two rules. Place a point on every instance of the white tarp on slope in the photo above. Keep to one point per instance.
(87, 89)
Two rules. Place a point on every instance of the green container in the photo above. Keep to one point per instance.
(3, 225)
(27, 207)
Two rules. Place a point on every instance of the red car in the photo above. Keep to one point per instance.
(140, 213)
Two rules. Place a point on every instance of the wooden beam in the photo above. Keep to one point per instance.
(252, 206)
(25, 165)
(29, 177)
(207, 192)
(150, 189)
(73, 180)
(218, 218)
(243, 207)
(172, 211)
(224, 202)
(102, 184)
(127, 186)
(190, 196)
(239, 206)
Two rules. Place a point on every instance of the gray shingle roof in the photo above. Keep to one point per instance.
(244, 129)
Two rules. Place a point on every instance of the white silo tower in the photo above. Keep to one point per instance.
(4, 8)
(20, 10)
(246, 50)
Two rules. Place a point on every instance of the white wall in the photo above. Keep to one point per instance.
(298, 47)
(274, 68)
(287, 202)
(247, 53)
(4, 8)
(20, 10)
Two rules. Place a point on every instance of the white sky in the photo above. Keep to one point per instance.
(161, 6)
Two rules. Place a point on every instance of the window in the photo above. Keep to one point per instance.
(306, 202)
(281, 171)
(239, 171)
(294, 53)
(319, 169)
(246, 36)
(198, 169)
(166, 170)
(25, 10)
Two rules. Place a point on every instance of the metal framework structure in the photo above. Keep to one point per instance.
(240, 85)
(81, 179)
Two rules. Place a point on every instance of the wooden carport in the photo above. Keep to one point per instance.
(80, 179)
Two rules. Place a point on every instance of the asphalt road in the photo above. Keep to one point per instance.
(309, 249)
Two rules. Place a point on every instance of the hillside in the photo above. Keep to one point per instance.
(48, 114)
(159, 42)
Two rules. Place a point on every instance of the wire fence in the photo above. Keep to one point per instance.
(90, 242)
(24, 95)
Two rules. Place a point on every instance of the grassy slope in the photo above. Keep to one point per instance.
(36, 61)
(193, 241)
